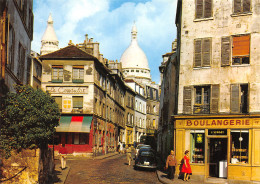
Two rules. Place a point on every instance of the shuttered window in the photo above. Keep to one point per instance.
(187, 95)
(242, 6)
(241, 49)
(202, 52)
(20, 71)
(203, 9)
(239, 98)
(77, 102)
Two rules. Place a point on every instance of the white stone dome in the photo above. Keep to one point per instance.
(134, 56)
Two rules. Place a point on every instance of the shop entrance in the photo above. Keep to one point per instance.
(217, 148)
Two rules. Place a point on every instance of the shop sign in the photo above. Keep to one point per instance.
(217, 132)
(217, 122)
(67, 89)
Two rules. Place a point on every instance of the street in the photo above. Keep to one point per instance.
(110, 170)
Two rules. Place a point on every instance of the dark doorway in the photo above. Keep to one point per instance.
(217, 156)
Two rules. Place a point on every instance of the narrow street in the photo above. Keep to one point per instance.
(109, 170)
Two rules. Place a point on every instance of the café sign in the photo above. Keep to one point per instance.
(67, 89)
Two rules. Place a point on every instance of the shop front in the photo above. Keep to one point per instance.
(129, 135)
(220, 146)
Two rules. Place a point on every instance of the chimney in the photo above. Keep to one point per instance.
(86, 37)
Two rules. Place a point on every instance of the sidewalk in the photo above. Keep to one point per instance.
(60, 175)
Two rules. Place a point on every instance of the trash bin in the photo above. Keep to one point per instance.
(223, 169)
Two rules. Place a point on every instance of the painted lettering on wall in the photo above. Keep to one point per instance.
(217, 122)
(67, 90)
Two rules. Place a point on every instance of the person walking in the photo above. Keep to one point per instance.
(63, 152)
(129, 154)
(186, 169)
(171, 163)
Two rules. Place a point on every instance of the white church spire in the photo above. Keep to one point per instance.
(50, 42)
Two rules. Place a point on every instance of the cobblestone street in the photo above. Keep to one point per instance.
(110, 170)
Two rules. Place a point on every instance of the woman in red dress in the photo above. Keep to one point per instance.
(186, 169)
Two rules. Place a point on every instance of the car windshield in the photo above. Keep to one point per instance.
(146, 153)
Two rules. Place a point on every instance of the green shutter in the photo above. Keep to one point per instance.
(207, 8)
(214, 98)
(197, 53)
(225, 51)
(199, 9)
(237, 6)
(187, 97)
(206, 51)
(246, 5)
(234, 103)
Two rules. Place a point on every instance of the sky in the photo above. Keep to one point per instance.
(109, 22)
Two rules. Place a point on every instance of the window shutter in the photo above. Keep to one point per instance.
(206, 48)
(237, 6)
(234, 104)
(197, 52)
(246, 5)
(199, 9)
(208, 8)
(214, 98)
(241, 45)
(187, 94)
(225, 51)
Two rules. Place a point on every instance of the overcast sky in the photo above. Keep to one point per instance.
(109, 22)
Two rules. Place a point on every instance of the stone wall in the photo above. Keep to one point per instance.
(28, 166)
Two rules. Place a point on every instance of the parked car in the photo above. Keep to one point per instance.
(139, 146)
(146, 158)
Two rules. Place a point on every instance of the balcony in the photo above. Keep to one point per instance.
(77, 110)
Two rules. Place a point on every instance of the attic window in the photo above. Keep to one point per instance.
(137, 71)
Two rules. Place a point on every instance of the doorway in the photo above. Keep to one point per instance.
(217, 157)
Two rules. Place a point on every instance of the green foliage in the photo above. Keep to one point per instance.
(28, 119)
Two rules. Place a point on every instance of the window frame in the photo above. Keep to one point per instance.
(202, 99)
(242, 6)
(80, 103)
(203, 9)
(59, 69)
(200, 52)
(240, 57)
(78, 74)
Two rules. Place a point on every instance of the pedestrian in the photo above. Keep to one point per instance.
(63, 153)
(129, 154)
(186, 169)
(120, 147)
(171, 163)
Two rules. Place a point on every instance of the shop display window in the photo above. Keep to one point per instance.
(197, 146)
(239, 146)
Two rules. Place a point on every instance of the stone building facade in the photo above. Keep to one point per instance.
(217, 116)
(16, 34)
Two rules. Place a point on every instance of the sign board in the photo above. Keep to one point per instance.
(217, 132)
(67, 89)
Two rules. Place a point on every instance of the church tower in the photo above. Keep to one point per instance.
(134, 61)
(50, 42)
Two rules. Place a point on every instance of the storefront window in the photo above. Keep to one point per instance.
(239, 143)
(197, 146)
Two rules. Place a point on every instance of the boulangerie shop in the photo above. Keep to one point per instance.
(220, 146)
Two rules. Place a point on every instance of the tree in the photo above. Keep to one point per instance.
(29, 118)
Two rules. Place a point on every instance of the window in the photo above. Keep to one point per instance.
(77, 102)
(239, 98)
(20, 71)
(80, 138)
(58, 100)
(202, 52)
(11, 42)
(241, 50)
(203, 9)
(239, 142)
(242, 6)
(57, 73)
(67, 104)
(29, 63)
(202, 100)
(197, 146)
(78, 74)
(205, 99)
